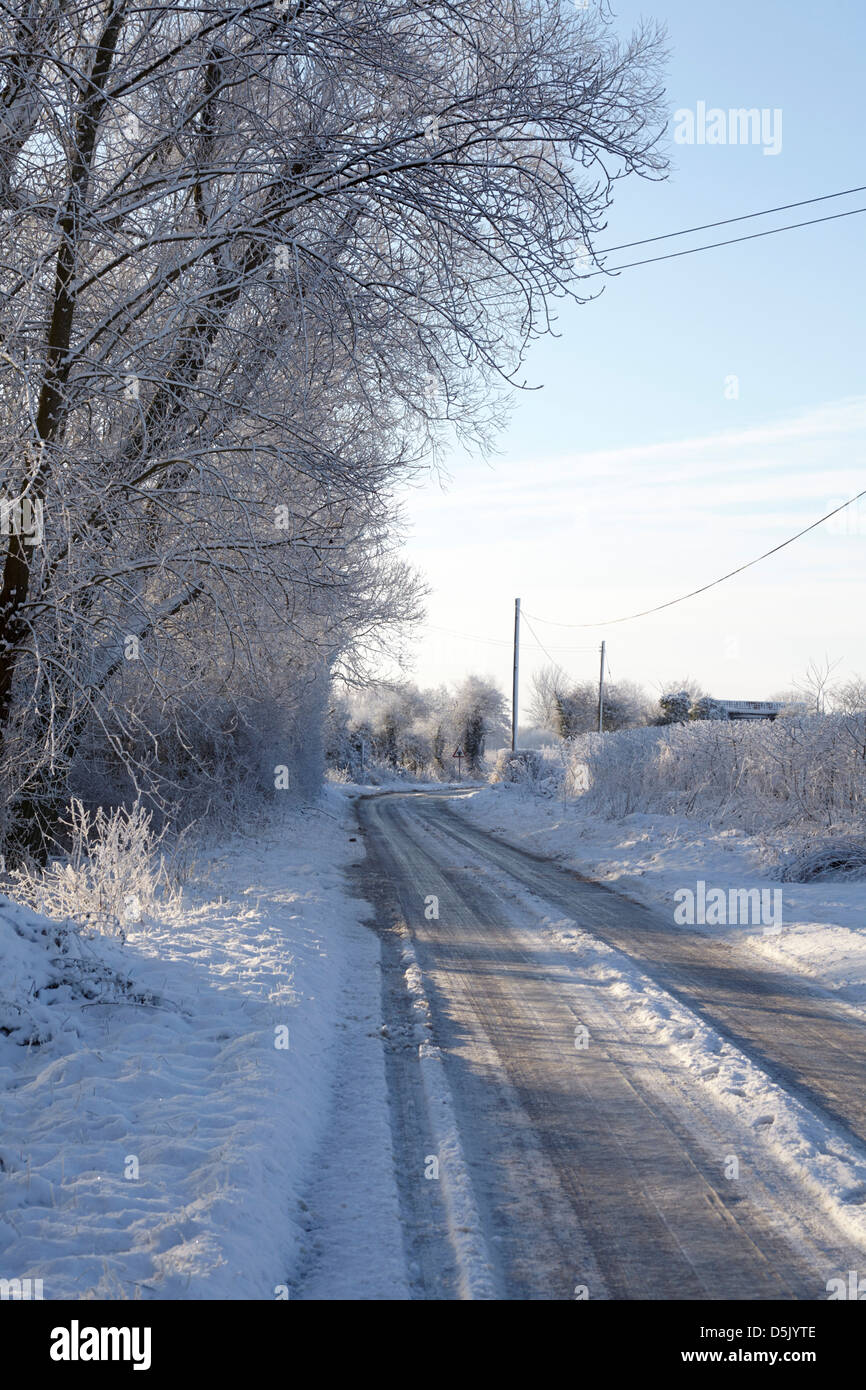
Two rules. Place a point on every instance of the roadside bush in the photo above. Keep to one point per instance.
(805, 770)
(113, 875)
(526, 767)
(842, 857)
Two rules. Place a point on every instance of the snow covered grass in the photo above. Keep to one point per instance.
(48, 972)
(836, 857)
(164, 1100)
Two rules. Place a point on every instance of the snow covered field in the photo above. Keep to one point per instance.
(157, 1143)
(653, 857)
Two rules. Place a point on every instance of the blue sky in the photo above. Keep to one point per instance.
(632, 475)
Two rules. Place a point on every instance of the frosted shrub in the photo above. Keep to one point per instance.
(337, 774)
(609, 769)
(805, 771)
(837, 857)
(112, 876)
(526, 768)
(511, 766)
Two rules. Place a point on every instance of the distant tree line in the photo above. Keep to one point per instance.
(567, 708)
(403, 729)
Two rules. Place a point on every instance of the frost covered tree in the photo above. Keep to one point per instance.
(815, 687)
(569, 708)
(849, 702)
(674, 707)
(479, 715)
(707, 708)
(560, 705)
(417, 730)
(576, 709)
(850, 698)
(542, 707)
(257, 261)
(626, 706)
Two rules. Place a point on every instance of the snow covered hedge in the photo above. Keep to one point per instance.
(797, 771)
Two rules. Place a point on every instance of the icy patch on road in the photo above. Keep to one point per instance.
(832, 1169)
(650, 857)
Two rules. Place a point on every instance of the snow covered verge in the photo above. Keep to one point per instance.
(662, 861)
(164, 1102)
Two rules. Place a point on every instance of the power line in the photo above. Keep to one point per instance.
(726, 221)
(542, 646)
(498, 641)
(470, 637)
(703, 589)
(730, 241)
(538, 639)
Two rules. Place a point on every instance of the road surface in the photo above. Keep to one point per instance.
(597, 1171)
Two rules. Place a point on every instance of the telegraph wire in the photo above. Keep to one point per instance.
(630, 617)
(726, 221)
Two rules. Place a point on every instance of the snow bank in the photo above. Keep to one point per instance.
(162, 1102)
(48, 972)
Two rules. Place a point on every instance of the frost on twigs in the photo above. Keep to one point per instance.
(112, 876)
(524, 766)
(800, 773)
(302, 252)
(839, 857)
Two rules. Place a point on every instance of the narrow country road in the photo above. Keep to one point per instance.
(597, 1172)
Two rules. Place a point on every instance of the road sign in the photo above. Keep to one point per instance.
(458, 752)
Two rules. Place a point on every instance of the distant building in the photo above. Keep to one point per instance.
(751, 709)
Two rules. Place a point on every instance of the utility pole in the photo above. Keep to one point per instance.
(601, 693)
(516, 674)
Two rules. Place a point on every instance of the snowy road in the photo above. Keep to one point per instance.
(599, 1160)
